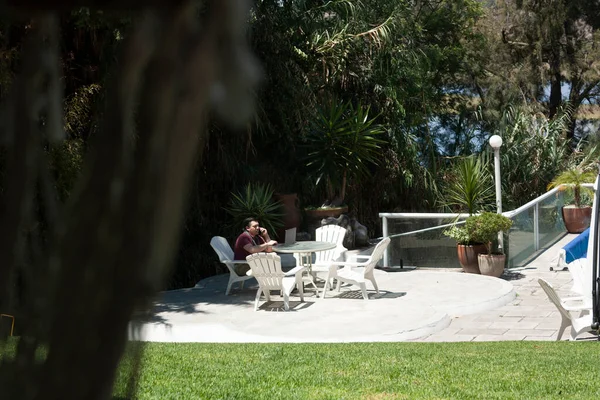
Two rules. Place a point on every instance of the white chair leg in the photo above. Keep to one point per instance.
(286, 301)
(563, 325)
(257, 299)
(363, 289)
(242, 285)
(300, 290)
(374, 284)
(325, 288)
(228, 290)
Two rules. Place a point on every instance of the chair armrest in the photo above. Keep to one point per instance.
(347, 264)
(359, 257)
(295, 270)
(234, 262)
(575, 307)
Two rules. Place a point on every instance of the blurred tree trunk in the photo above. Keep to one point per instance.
(104, 255)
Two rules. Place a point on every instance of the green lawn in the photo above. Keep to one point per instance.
(500, 370)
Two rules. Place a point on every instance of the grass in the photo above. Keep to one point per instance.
(498, 370)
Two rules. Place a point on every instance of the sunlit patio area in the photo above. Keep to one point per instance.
(413, 305)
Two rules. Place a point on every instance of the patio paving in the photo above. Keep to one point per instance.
(414, 305)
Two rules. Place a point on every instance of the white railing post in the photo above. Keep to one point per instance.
(384, 228)
(536, 226)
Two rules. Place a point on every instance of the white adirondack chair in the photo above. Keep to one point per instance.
(332, 234)
(578, 325)
(225, 253)
(357, 273)
(266, 268)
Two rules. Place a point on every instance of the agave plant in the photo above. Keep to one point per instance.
(255, 200)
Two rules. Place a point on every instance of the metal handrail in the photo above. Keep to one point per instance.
(510, 214)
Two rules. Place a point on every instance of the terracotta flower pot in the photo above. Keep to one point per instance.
(291, 212)
(467, 257)
(577, 219)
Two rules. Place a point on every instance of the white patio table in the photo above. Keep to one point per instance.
(303, 253)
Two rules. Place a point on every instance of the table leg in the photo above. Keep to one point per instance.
(308, 265)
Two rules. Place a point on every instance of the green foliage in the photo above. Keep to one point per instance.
(494, 370)
(342, 143)
(66, 162)
(484, 228)
(533, 152)
(572, 179)
(78, 109)
(255, 200)
(460, 234)
(470, 187)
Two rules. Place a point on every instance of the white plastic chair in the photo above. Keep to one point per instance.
(332, 234)
(266, 268)
(578, 325)
(225, 253)
(357, 273)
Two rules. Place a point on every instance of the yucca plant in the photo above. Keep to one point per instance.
(470, 188)
(342, 142)
(255, 200)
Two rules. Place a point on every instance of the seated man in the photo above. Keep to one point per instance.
(254, 239)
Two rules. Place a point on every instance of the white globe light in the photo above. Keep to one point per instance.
(496, 141)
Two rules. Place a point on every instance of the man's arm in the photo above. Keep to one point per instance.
(264, 247)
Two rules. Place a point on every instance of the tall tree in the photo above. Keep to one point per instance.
(107, 251)
(543, 49)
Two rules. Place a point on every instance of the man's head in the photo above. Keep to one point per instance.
(252, 226)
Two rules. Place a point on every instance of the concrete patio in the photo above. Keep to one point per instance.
(414, 305)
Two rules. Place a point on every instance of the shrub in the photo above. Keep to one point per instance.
(484, 227)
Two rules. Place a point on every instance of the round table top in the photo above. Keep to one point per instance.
(306, 246)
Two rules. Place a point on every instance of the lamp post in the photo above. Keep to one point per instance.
(496, 142)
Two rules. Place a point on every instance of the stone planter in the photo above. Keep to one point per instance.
(491, 264)
(314, 216)
(320, 213)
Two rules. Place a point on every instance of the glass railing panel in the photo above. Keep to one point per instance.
(521, 239)
(424, 249)
(551, 222)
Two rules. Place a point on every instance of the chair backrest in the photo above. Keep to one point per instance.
(266, 268)
(377, 254)
(222, 248)
(551, 293)
(332, 234)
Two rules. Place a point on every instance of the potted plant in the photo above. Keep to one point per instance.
(484, 228)
(466, 249)
(576, 216)
(469, 189)
(341, 144)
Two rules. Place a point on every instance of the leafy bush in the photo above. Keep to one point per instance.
(484, 227)
(460, 234)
